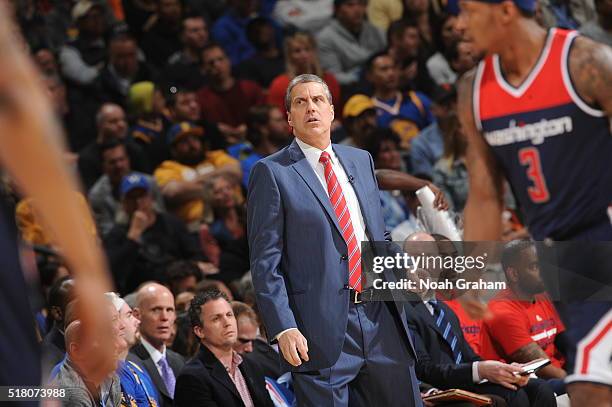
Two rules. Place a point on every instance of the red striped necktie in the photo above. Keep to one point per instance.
(338, 202)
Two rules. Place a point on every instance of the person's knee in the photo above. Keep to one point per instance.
(590, 394)
(540, 393)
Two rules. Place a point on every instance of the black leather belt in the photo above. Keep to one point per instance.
(357, 297)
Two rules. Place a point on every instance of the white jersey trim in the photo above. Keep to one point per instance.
(568, 82)
(518, 92)
(476, 94)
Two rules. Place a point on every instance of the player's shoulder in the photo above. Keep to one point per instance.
(590, 68)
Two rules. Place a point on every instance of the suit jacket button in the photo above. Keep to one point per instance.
(344, 257)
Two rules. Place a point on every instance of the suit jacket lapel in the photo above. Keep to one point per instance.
(217, 370)
(429, 319)
(152, 369)
(305, 171)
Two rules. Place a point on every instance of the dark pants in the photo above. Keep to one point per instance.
(536, 393)
(375, 367)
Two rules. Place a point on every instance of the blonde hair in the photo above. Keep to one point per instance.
(302, 38)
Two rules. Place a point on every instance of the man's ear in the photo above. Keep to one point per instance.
(136, 313)
(512, 275)
(289, 119)
(197, 330)
(333, 113)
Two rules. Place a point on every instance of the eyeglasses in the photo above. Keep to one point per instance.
(244, 341)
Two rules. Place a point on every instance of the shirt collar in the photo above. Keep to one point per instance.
(236, 361)
(156, 355)
(313, 153)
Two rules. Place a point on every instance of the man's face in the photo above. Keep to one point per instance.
(170, 11)
(277, 126)
(218, 324)
(465, 58)
(195, 33)
(477, 24)
(113, 124)
(157, 316)
(300, 53)
(188, 150)
(46, 61)
(216, 64)
(124, 57)
(351, 13)
(449, 31)
(131, 323)
(384, 74)
(365, 122)
(247, 333)
(528, 271)
(186, 107)
(137, 199)
(115, 164)
(410, 42)
(389, 156)
(311, 113)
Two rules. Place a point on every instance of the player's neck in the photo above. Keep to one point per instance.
(521, 53)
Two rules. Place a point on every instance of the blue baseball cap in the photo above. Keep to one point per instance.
(134, 181)
(181, 130)
(527, 5)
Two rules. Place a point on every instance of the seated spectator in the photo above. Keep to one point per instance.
(155, 310)
(267, 62)
(181, 179)
(78, 126)
(182, 276)
(450, 172)
(404, 45)
(381, 13)
(428, 146)
(438, 64)
(137, 387)
(111, 124)
(104, 196)
(599, 27)
(524, 324)
(300, 52)
(150, 118)
(51, 270)
(226, 100)
(461, 57)
(358, 120)
(267, 133)
(218, 374)
(122, 70)
(185, 342)
(82, 59)
(46, 61)
(405, 113)
(248, 327)
(418, 11)
(53, 346)
(447, 361)
(230, 30)
(161, 33)
(141, 248)
(228, 216)
(348, 41)
(184, 67)
(87, 372)
(303, 15)
(383, 145)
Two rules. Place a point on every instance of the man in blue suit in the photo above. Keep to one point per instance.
(310, 206)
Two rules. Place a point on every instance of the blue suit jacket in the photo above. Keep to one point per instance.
(297, 251)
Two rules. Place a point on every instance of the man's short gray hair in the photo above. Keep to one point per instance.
(305, 78)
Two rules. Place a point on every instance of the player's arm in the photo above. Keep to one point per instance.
(31, 152)
(590, 68)
(483, 210)
(391, 180)
(532, 351)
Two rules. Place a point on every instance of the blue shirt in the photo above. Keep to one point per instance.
(426, 149)
(244, 153)
(136, 386)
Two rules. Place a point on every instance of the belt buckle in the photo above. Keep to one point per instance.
(356, 300)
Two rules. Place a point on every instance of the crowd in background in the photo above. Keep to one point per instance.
(167, 105)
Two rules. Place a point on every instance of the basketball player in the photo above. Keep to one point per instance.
(536, 111)
(30, 145)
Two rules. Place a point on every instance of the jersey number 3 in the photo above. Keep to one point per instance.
(530, 157)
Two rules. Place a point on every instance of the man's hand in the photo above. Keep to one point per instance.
(500, 373)
(440, 202)
(139, 223)
(293, 345)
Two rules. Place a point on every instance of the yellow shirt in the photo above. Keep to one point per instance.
(30, 227)
(168, 171)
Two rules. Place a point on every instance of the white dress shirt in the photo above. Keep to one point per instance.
(156, 355)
